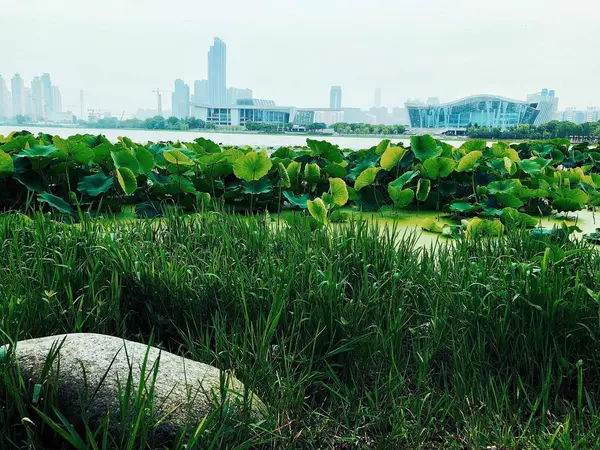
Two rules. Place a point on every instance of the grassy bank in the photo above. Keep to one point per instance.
(353, 339)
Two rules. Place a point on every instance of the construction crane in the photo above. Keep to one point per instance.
(159, 100)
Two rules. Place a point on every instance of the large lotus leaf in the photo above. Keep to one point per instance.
(261, 186)
(366, 178)
(447, 149)
(595, 200)
(32, 180)
(339, 191)
(484, 227)
(127, 180)
(400, 197)
(125, 159)
(439, 167)
(513, 218)
(504, 186)
(177, 157)
(180, 183)
(404, 179)
(431, 225)
(392, 156)
(312, 173)
(102, 152)
(569, 199)
(425, 147)
(363, 160)
(293, 170)
(509, 165)
(335, 170)
(55, 202)
(503, 150)
(326, 150)
(208, 145)
(77, 150)
(284, 178)
(508, 200)
(94, 185)
(534, 166)
(423, 188)
(462, 206)
(467, 162)
(296, 200)
(252, 167)
(145, 159)
(6, 164)
(284, 153)
(382, 147)
(595, 179)
(473, 146)
(317, 209)
(528, 194)
(39, 152)
(19, 143)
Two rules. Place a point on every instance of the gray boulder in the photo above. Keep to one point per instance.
(88, 369)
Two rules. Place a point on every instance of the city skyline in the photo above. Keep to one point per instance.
(130, 59)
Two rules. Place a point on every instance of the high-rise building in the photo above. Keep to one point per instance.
(546, 102)
(217, 73)
(57, 99)
(18, 95)
(47, 95)
(38, 100)
(81, 105)
(201, 91)
(377, 102)
(28, 106)
(335, 97)
(235, 94)
(181, 99)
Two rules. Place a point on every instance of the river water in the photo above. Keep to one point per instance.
(239, 139)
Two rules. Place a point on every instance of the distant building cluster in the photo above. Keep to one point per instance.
(41, 101)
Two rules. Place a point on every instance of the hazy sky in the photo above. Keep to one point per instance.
(118, 51)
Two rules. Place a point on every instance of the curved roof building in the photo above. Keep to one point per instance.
(484, 110)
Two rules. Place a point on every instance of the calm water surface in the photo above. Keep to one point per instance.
(240, 139)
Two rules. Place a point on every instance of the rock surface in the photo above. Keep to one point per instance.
(184, 390)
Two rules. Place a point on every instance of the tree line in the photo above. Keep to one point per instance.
(366, 128)
(551, 130)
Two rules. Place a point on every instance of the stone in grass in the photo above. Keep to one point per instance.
(89, 368)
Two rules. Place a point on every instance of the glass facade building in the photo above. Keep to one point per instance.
(217, 73)
(483, 110)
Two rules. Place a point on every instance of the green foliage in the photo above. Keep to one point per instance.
(317, 210)
(528, 177)
(252, 167)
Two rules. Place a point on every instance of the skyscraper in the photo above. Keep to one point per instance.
(547, 103)
(82, 105)
(47, 95)
(201, 91)
(18, 95)
(56, 99)
(335, 97)
(217, 73)
(181, 99)
(235, 94)
(377, 97)
(38, 100)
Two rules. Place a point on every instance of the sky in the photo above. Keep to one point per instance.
(293, 51)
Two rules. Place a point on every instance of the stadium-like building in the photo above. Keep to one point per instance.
(483, 110)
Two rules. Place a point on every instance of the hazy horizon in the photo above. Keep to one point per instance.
(119, 51)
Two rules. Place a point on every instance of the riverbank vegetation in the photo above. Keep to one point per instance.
(555, 129)
(500, 185)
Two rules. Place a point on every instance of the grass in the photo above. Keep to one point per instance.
(353, 337)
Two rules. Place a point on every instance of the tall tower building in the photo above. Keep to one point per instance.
(547, 104)
(81, 105)
(18, 95)
(377, 102)
(335, 97)
(56, 99)
(201, 91)
(181, 99)
(37, 99)
(217, 73)
(47, 95)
